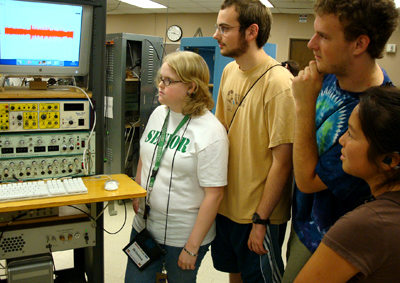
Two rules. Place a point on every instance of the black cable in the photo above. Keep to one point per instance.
(119, 3)
(16, 218)
(155, 49)
(129, 122)
(170, 181)
(52, 259)
(160, 62)
(150, 170)
(240, 103)
(72, 176)
(9, 181)
(166, 29)
(15, 177)
(110, 233)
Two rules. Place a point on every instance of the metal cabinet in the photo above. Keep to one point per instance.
(131, 96)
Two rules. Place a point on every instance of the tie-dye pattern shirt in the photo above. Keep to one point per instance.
(313, 214)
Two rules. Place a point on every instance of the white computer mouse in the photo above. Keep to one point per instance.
(111, 185)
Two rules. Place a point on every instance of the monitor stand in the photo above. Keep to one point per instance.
(44, 87)
(38, 84)
(53, 83)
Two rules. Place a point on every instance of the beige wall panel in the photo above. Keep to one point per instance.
(285, 27)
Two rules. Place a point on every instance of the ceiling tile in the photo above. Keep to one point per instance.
(207, 6)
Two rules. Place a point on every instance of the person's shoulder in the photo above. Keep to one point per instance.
(209, 117)
(274, 68)
(277, 75)
(229, 70)
(212, 123)
(386, 78)
(231, 66)
(351, 222)
(360, 218)
(160, 110)
(388, 199)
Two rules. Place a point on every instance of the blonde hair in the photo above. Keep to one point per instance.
(191, 68)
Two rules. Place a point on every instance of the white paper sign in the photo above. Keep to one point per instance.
(108, 107)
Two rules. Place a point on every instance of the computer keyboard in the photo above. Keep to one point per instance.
(41, 189)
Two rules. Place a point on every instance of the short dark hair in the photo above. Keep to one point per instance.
(252, 12)
(377, 19)
(379, 114)
(294, 67)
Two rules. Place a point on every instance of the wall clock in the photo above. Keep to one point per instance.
(174, 33)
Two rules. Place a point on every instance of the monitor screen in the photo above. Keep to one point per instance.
(44, 38)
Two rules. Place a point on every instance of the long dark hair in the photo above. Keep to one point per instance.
(379, 114)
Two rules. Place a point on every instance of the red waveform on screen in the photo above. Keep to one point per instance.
(39, 32)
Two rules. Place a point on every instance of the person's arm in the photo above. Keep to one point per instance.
(278, 175)
(326, 266)
(138, 179)
(205, 218)
(306, 88)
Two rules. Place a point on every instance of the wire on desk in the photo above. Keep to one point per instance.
(59, 178)
(13, 180)
(110, 233)
(96, 177)
(66, 176)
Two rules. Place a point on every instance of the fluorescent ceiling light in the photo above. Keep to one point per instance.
(269, 5)
(147, 4)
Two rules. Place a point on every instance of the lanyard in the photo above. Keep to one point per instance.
(234, 114)
(161, 150)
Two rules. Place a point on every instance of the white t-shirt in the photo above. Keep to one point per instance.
(200, 161)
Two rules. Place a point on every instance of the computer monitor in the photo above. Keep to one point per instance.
(44, 38)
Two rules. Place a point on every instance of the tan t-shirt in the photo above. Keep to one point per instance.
(264, 120)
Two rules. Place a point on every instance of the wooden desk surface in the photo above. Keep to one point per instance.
(96, 193)
(19, 92)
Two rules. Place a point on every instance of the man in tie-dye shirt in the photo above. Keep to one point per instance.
(349, 37)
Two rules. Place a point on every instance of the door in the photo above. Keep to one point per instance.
(300, 52)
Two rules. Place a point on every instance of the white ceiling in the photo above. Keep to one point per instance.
(206, 6)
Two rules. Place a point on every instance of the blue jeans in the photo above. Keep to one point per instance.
(175, 273)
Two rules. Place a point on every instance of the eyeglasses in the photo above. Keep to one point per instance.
(223, 29)
(167, 81)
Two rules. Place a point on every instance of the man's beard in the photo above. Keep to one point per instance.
(240, 50)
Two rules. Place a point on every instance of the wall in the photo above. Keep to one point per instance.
(285, 26)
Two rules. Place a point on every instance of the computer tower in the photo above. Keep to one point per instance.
(34, 269)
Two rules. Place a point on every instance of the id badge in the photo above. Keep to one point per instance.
(161, 277)
(143, 249)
